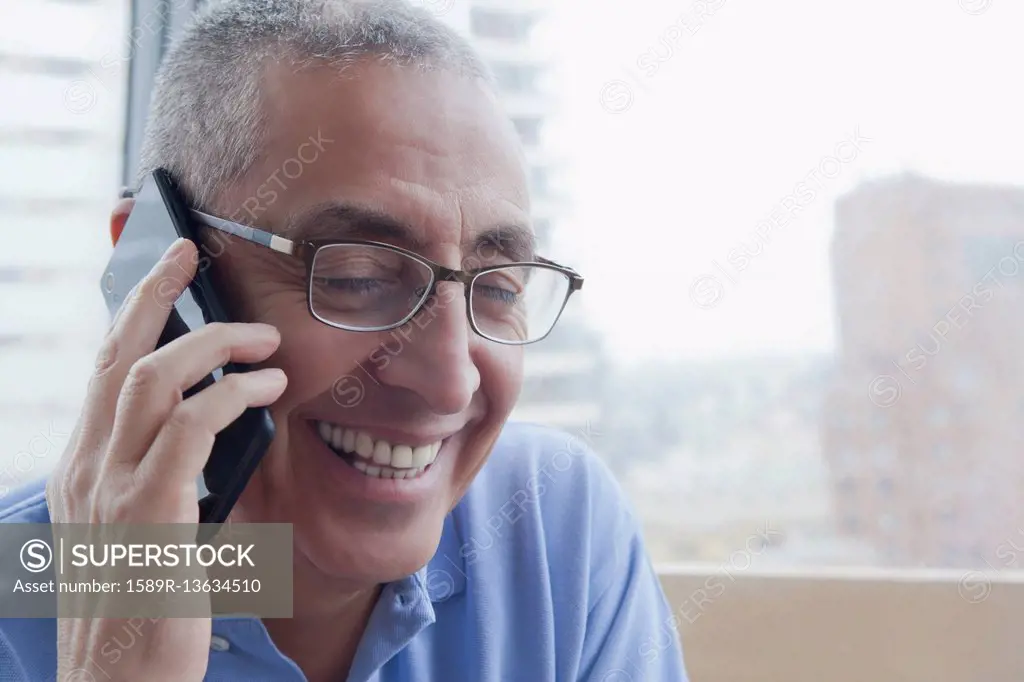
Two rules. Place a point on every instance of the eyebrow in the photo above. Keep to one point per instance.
(335, 220)
(339, 220)
(514, 242)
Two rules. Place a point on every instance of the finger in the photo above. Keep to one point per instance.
(135, 332)
(155, 383)
(183, 445)
(197, 354)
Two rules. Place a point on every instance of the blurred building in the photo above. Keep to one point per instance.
(733, 449)
(925, 421)
(61, 71)
(564, 373)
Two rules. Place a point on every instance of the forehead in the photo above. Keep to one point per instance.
(430, 149)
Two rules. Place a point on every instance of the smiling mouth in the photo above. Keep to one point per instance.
(376, 457)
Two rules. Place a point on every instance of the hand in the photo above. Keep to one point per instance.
(138, 449)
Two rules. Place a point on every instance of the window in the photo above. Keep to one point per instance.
(52, 102)
(888, 523)
(991, 257)
(60, 168)
(547, 387)
(542, 228)
(528, 129)
(506, 26)
(758, 291)
(938, 416)
(879, 419)
(85, 172)
(846, 459)
(539, 183)
(966, 380)
(940, 451)
(43, 65)
(884, 457)
(516, 78)
(885, 486)
(11, 274)
(978, 555)
(54, 138)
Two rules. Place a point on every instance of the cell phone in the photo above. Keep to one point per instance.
(159, 217)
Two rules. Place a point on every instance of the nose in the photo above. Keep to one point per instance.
(432, 355)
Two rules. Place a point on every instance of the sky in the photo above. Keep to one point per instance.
(679, 134)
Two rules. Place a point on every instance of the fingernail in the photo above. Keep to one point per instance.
(275, 374)
(272, 377)
(267, 330)
(174, 249)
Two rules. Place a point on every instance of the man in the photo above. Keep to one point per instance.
(432, 541)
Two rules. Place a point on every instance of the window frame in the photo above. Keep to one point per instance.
(154, 23)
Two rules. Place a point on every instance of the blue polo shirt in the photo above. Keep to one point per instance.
(540, 576)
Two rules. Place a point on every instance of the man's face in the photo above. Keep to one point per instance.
(433, 153)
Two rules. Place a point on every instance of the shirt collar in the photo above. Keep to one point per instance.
(403, 610)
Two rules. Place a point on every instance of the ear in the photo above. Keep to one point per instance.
(119, 217)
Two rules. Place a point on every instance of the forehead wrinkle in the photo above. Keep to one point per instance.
(343, 219)
(430, 210)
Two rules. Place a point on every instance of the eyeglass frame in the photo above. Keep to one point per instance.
(307, 250)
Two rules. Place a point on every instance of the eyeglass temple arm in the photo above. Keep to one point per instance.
(575, 277)
(282, 245)
(252, 234)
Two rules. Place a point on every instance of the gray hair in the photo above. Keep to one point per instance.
(207, 124)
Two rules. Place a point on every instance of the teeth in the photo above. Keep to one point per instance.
(382, 452)
(401, 456)
(378, 457)
(364, 444)
(422, 456)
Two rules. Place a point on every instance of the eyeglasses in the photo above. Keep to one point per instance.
(368, 286)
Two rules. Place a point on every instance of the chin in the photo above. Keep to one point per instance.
(366, 556)
(367, 502)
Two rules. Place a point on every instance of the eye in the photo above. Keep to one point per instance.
(502, 286)
(354, 285)
(499, 294)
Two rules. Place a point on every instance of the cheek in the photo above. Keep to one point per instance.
(316, 357)
(312, 355)
(501, 377)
